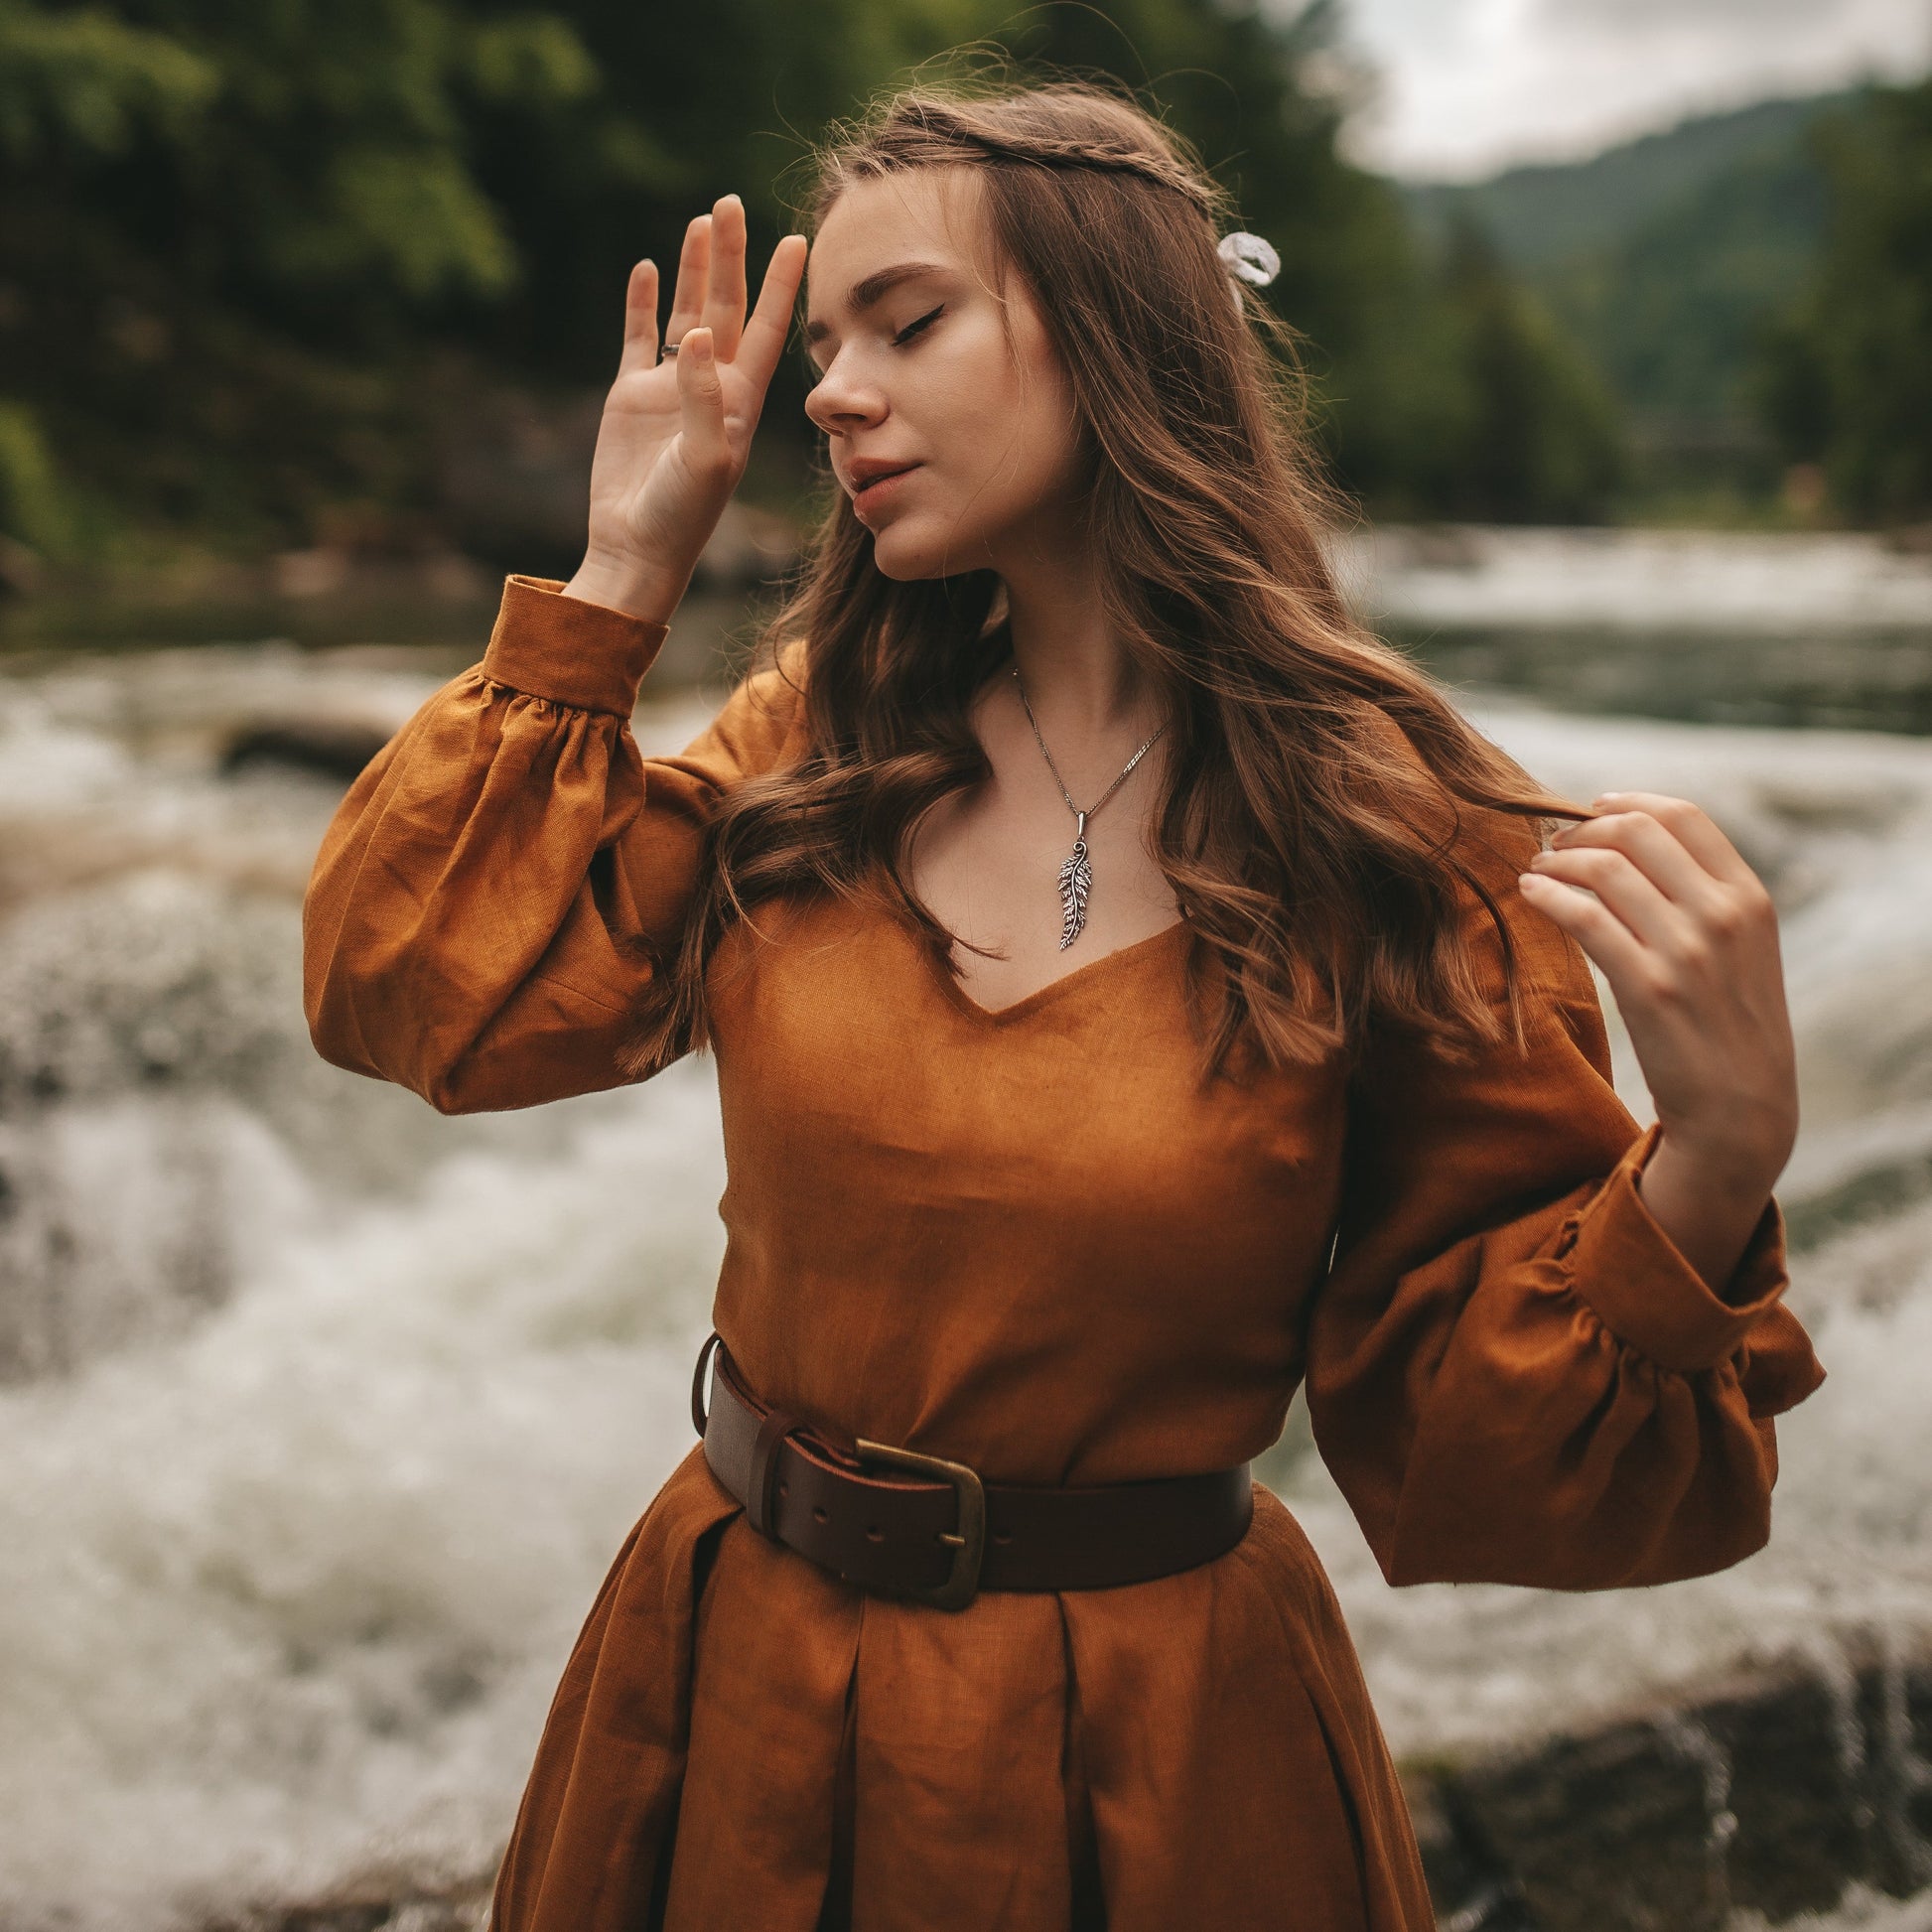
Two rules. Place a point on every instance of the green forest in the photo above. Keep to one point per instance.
(264, 268)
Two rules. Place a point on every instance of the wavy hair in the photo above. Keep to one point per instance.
(1312, 826)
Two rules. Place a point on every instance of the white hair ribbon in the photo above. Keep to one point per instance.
(1248, 258)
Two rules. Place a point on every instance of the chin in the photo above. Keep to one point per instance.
(909, 556)
(912, 555)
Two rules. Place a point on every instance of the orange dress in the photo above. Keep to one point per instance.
(1034, 1241)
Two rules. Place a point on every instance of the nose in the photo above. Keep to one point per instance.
(842, 400)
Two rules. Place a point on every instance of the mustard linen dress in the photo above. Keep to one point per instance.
(1034, 1241)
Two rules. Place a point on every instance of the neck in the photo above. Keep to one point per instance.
(1076, 671)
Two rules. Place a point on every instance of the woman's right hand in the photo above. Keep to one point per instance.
(675, 434)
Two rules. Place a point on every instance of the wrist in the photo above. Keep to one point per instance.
(638, 589)
(1720, 1168)
(1706, 1206)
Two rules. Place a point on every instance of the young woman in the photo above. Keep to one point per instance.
(1135, 994)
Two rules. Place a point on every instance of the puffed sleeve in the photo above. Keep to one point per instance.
(488, 901)
(1512, 1373)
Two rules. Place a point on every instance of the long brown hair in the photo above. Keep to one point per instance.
(1312, 828)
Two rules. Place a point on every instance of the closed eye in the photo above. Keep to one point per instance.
(913, 329)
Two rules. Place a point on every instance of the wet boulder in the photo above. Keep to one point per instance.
(1771, 1795)
(330, 747)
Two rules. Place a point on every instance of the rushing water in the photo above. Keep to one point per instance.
(321, 1415)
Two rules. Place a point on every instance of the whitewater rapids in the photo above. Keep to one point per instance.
(320, 1416)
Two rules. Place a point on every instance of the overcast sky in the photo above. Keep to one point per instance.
(1471, 84)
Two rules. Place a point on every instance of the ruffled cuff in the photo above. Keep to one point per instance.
(572, 652)
(1630, 1273)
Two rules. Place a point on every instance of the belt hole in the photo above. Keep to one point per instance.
(874, 1534)
(1001, 1536)
(818, 1514)
(784, 1489)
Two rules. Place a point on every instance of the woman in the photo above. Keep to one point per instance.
(1135, 992)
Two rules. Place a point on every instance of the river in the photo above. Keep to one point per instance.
(321, 1415)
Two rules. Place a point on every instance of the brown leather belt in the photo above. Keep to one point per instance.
(903, 1524)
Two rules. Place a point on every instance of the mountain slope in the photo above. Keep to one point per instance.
(1538, 216)
(1666, 260)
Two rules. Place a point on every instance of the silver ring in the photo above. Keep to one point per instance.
(666, 353)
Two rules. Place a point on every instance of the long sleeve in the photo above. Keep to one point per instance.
(487, 903)
(1512, 1373)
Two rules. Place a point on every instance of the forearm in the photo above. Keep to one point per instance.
(455, 939)
(1688, 938)
(1709, 1209)
(636, 587)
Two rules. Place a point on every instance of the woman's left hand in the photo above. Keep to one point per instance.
(1687, 937)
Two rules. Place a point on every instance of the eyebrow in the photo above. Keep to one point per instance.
(865, 294)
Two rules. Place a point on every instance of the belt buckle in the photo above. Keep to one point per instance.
(967, 1542)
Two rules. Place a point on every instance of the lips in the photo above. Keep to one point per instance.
(867, 476)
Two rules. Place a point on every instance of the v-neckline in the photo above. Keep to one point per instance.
(1040, 995)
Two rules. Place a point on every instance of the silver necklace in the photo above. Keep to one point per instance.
(1076, 874)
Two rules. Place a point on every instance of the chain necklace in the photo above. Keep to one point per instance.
(1076, 874)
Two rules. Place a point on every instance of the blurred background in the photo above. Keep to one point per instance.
(321, 1415)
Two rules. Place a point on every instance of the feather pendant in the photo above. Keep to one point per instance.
(1077, 882)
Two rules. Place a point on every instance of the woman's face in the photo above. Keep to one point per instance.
(950, 419)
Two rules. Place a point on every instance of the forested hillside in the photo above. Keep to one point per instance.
(1670, 260)
(1755, 288)
(312, 274)
(1541, 217)
(1848, 374)
(259, 266)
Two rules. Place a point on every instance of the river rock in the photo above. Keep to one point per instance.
(461, 1907)
(333, 747)
(1770, 1794)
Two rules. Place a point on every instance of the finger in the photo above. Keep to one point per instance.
(640, 319)
(701, 403)
(1595, 927)
(1650, 844)
(764, 336)
(1630, 897)
(693, 265)
(1694, 829)
(723, 304)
